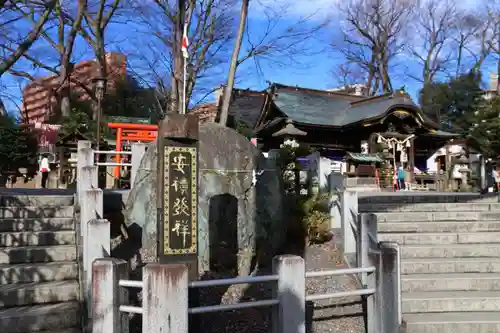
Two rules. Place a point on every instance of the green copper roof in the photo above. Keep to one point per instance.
(310, 108)
(443, 133)
(365, 158)
(332, 110)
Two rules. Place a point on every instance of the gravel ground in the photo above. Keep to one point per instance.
(333, 315)
(339, 315)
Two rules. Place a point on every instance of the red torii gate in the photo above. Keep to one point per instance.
(131, 132)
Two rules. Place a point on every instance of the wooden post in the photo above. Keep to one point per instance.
(165, 298)
(177, 195)
(289, 315)
(107, 296)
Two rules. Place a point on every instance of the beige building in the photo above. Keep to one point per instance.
(39, 96)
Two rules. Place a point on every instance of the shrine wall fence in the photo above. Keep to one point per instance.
(93, 231)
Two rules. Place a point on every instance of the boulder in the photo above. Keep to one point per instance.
(241, 223)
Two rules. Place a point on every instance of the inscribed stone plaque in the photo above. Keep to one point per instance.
(181, 201)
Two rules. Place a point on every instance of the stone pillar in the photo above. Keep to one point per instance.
(98, 245)
(290, 314)
(349, 212)
(177, 195)
(107, 296)
(165, 298)
(91, 209)
(314, 173)
(482, 173)
(336, 186)
(138, 151)
(85, 158)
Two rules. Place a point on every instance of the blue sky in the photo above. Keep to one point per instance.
(314, 70)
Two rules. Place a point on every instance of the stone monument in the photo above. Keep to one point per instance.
(241, 222)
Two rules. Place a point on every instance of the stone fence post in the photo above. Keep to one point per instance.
(165, 298)
(366, 256)
(138, 151)
(389, 287)
(98, 245)
(349, 217)
(289, 315)
(91, 209)
(85, 158)
(107, 296)
(335, 187)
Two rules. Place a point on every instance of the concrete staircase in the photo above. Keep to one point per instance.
(450, 257)
(39, 288)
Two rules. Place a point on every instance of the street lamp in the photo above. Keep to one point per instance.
(100, 90)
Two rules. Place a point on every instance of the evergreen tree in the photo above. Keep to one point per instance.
(485, 127)
(18, 146)
(452, 104)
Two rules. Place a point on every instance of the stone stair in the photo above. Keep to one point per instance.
(450, 259)
(39, 290)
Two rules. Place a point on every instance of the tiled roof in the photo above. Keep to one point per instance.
(206, 112)
(333, 109)
(246, 105)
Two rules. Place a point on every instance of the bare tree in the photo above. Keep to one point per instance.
(475, 39)
(286, 45)
(347, 75)
(280, 40)
(436, 25)
(234, 63)
(97, 16)
(62, 42)
(15, 49)
(161, 28)
(374, 33)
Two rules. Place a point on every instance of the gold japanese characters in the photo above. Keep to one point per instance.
(180, 208)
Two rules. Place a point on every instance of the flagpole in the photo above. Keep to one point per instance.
(185, 56)
(184, 86)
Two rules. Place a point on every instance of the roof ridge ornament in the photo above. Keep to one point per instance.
(289, 130)
(402, 93)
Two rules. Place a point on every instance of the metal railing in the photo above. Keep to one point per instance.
(255, 279)
(112, 152)
(168, 284)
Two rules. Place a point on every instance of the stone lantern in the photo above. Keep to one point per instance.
(289, 134)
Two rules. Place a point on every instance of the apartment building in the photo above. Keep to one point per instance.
(39, 96)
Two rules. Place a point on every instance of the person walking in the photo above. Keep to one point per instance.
(44, 170)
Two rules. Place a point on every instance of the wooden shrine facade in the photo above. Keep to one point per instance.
(337, 123)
